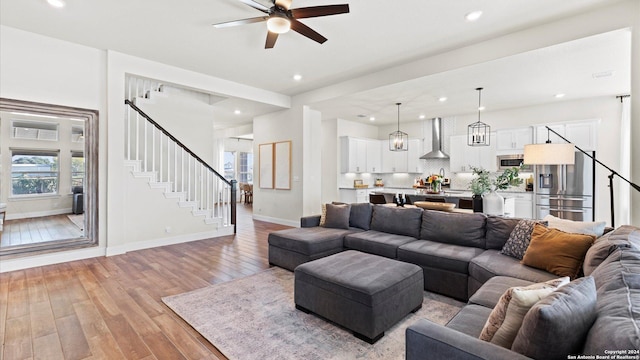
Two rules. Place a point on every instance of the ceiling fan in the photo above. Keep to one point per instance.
(280, 19)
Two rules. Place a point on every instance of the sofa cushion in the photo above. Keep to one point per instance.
(470, 320)
(308, 241)
(556, 251)
(396, 220)
(492, 263)
(617, 325)
(438, 255)
(557, 325)
(491, 292)
(606, 244)
(506, 318)
(519, 239)
(360, 216)
(454, 228)
(578, 227)
(376, 242)
(498, 230)
(337, 216)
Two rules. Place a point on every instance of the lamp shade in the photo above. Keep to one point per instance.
(549, 154)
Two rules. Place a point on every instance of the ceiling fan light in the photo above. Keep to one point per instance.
(278, 24)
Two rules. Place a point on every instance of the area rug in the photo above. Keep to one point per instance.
(77, 220)
(255, 318)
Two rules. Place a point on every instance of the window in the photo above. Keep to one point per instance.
(229, 165)
(246, 168)
(34, 172)
(77, 169)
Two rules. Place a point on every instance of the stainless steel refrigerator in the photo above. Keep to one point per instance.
(566, 191)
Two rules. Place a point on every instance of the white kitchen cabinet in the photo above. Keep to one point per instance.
(414, 163)
(394, 161)
(350, 196)
(462, 156)
(374, 156)
(353, 154)
(512, 141)
(582, 134)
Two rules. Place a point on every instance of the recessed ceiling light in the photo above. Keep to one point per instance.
(56, 3)
(237, 112)
(558, 96)
(421, 116)
(603, 74)
(481, 108)
(473, 16)
(372, 118)
(442, 99)
(297, 77)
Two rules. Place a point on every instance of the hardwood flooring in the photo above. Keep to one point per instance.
(37, 230)
(110, 307)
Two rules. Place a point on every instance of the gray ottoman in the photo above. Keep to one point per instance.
(364, 293)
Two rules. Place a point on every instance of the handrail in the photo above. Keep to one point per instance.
(165, 132)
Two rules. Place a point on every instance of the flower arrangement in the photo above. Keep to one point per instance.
(482, 184)
(434, 178)
(435, 181)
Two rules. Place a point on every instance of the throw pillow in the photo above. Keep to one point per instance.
(558, 324)
(579, 227)
(556, 251)
(337, 216)
(519, 239)
(323, 215)
(361, 215)
(497, 316)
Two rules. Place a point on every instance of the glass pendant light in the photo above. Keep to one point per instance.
(398, 140)
(478, 133)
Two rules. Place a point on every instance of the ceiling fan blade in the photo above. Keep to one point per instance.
(271, 40)
(315, 11)
(241, 22)
(285, 4)
(303, 29)
(255, 5)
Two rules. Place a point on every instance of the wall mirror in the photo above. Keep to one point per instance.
(48, 178)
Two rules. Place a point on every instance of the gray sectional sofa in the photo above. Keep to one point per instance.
(460, 257)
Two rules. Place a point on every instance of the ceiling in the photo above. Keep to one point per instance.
(375, 35)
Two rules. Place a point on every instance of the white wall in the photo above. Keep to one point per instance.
(312, 161)
(280, 206)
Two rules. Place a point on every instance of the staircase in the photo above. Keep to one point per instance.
(153, 154)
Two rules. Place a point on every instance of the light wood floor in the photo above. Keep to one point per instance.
(110, 307)
(37, 230)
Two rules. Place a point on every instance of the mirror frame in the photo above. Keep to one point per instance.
(90, 237)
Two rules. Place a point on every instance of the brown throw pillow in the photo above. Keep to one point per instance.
(337, 216)
(556, 251)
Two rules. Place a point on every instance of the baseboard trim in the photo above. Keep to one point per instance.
(148, 244)
(276, 220)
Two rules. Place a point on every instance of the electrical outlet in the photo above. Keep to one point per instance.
(167, 229)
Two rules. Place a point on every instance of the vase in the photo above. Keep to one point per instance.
(493, 203)
(436, 187)
(477, 203)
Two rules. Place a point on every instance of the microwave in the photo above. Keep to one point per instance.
(509, 161)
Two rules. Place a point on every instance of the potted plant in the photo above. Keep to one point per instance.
(483, 187)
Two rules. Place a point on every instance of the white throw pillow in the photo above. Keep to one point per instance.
(577, 227)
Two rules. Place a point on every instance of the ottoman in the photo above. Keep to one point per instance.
(364, 293)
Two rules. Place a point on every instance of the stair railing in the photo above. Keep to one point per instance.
(160, 153)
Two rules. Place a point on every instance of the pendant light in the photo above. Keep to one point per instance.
(478, 133)
(398, 140)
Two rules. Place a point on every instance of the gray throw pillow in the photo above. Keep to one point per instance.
(337, 216)
(361, 215)
(519, 239)
(558, 324)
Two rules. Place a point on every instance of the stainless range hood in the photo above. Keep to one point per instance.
(436, 143)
